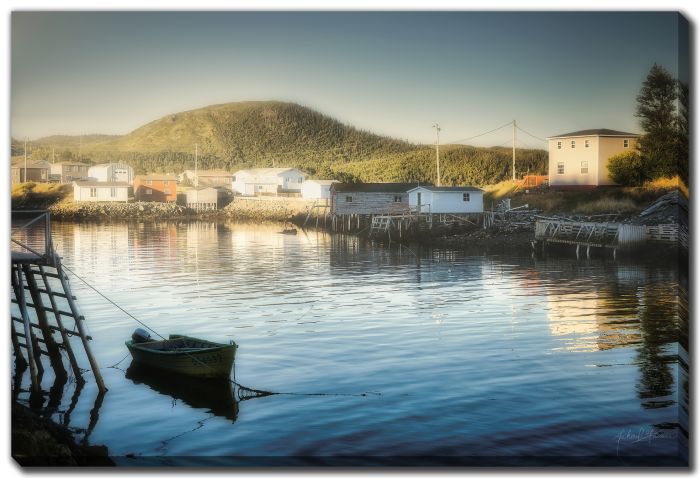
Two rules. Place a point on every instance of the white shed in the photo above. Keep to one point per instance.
(446, 199)
(202, 198)
(257, 181)
(112, 172)
(97, 191)
(317, 188)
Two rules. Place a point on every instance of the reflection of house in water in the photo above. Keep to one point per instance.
(587, 320)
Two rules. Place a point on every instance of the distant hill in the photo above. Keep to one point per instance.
(248, 134)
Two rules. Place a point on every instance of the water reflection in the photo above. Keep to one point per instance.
(214, 396)
(495, 355)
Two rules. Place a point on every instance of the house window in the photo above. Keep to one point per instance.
(348, 198)
(397, 198)
(234, 178)
(625, 143)
(93, 192)
(465, 197)
(573, 144)
(587, 143)
(149, 191)
(113, 192)
(259, 188)
(165, 183)
(584, 167)
(560, 167)
(149, 182)
(301, 180)
(558, 144)
(167, 191)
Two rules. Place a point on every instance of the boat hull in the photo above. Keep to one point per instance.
(214, 362)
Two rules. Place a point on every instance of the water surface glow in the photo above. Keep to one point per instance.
(423, 352)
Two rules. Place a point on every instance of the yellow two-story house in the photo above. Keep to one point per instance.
(581, 158)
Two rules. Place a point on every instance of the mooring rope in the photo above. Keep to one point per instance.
(110, 300)
(255, 392)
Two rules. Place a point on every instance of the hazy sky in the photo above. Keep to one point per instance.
(390, 73)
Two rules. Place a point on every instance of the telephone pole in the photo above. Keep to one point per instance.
(25, 161)
(196, 179)
(514, 126)
(437, 150)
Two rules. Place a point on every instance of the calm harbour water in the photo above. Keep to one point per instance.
(421, 352)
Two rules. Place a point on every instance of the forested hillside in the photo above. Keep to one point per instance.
(254, 134)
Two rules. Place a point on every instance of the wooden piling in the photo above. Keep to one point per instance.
(59, 323)
(81, 329)
(47, 334)
(17, 285)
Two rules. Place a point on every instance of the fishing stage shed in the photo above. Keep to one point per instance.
(45, 318)
(354, 205)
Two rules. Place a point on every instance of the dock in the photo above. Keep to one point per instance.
(47, 316)
(605, 235)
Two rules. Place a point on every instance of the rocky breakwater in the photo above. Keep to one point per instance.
(118, 210)
(272, 209)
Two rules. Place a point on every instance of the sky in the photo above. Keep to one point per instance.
(391, 73)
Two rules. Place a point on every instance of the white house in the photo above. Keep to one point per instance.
(446, 199)
(269, 181)
(581, 158)
(100, 191)
(112, 172)
(317, 188)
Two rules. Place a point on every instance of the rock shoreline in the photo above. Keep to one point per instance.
(241, 209)
(39, 442)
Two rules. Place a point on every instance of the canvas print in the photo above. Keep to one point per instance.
(349, 239)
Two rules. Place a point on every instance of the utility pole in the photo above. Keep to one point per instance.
(196, 179)
(514, 126)
(437, 150)
(53, 155)
(25, 161)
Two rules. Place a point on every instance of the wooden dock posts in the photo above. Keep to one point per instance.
(605, 235)
(36, 271)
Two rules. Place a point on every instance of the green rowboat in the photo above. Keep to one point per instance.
(184, 355)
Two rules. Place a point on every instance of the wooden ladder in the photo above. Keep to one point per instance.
(37, 336)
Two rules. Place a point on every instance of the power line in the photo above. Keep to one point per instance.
(482, 134)
(532, 135)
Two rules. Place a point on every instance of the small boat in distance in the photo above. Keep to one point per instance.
(183, 355)
(288, 231)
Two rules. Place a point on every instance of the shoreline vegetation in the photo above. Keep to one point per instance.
(621, 204)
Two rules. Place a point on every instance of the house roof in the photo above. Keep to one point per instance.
(373, 187)
(266, 171)
(72, 163)
(106, 165)
(31, 164)
(323, 182)
(156, 177)
(210, 172)
(594, 132)
(102, 184)
(449, 188)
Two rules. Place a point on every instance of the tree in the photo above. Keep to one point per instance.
(682, 128)
(628, 169)
(657, 112)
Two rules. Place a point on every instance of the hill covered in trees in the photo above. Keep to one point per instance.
(263, 134)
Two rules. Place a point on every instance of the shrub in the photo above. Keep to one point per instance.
(628, 169)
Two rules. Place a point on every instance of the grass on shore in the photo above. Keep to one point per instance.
(40, 194)
(601, 200)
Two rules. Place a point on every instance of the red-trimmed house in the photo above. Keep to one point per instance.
(155, 187)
